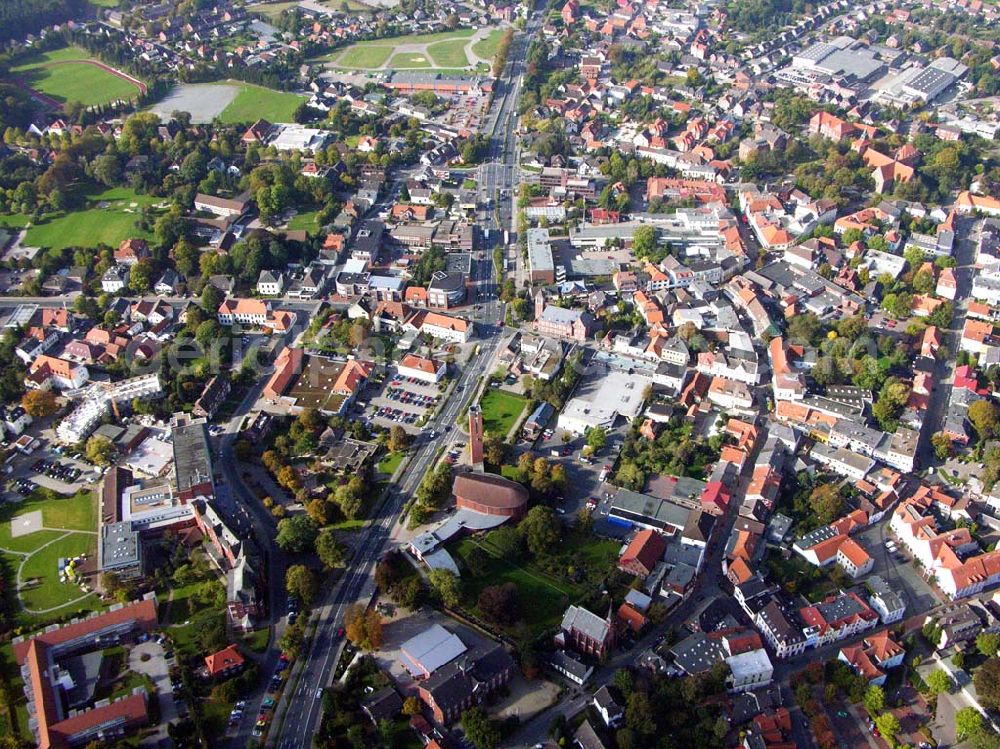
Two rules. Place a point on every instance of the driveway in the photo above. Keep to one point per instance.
(156, 668)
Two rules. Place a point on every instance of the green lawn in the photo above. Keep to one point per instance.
(65, 75)
(543, 598)
(14, 221)
(487, 48)
(376, 52)
(257, 640)
(43, 566)
(304, 220)
(389, 463)
(500, 410)
(273, 10)
(181, 606)
(449, 54)
(108, 217)
(365, 55)
(253, 103)
(409, 60)
(78, 513)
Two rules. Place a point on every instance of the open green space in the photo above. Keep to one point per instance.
(42, 566)
(181, 605)
(303, 220)
(273, 10)
(390, 462)
(409, 60)
(253, 103)
(500, 410)
(487, 48)
(67, 75)
(365, 55)
(14, 221)
(450, 54)
(75, 513)
(543, 598)
(107, 217)
(375, 53)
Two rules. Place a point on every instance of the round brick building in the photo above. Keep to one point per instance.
(490, 494)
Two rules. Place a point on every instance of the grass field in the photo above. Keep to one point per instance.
(273, 10)
(96, 223)
(304, 220)
(76, 516)
(409, 60)
(487, 48)
(253, 103)
(449, 54)
(543, 599)
(55, 74)
(390, 462)
(500, 411)
(446, 50)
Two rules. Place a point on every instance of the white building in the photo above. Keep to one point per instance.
(749, 670)
(422, 368)
(270, 283)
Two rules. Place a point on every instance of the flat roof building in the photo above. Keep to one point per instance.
(540, 262)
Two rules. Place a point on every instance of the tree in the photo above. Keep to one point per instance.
(509, 542)
(804, 328)
(987, 681)
(597, 438)
(968, 723)
(211, 298)
(100, 451)
(330, 551)
(494, 449)
(943, 445)
(939, 682)
(40, 403)
(297, 534)
(363, 626)
(447, 585)
(644, 241)
(888, 726)
(826, 503)
(500, 603)
(291, 641)
(988, 643)
(411, 706)
(874, 699)
(140, 278)
(481, 729)
(985, 418)
(541, 530)
(301, 583)
(398, 438)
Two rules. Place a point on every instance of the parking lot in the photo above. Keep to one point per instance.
(585, 477)
(404, 401)
(48, 468)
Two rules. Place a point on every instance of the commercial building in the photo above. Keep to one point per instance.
(541, 266)
(599, 400)
(446, 289)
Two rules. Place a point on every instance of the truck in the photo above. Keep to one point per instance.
(486, 234)
(506, 237)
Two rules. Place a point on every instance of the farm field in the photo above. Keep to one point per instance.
(69, 74)
(255, 102)
(500, 411)
(109, 216)
(50, 527)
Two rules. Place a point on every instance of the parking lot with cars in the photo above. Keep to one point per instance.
(404, 401)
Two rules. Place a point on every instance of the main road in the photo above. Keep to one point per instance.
(297, 718)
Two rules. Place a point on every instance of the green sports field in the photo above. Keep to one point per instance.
(108, 217)
(67, 75)
(254, 103)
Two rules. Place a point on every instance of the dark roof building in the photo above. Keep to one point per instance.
(192, 459)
